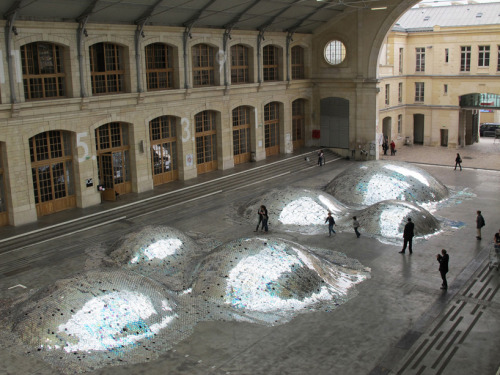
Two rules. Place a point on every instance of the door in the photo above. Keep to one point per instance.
(387, 128)
(298, 123)
(334, 122)
(106, 176)
(418, 129)
(444, 137)
(271, 128)
(206, 142)
(241, 135)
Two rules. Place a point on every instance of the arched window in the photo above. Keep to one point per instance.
(298, 123)
(113, 159)
(43, 71)
(203, 65)
(4, 219)
(163, 136)
(298, 63)
(159, 66)
(206, 141)
(271, 63)
(52, 171)
(106, 69)
(239, 64)
(241, 134)
(272, 128)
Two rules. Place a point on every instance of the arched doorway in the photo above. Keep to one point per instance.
(4, 218)
(206, 141)
(418, 129)
(52, 171)
(334, 122)
(298, 123)
(387, 128)
(163, 137)
(241, 134)
(272, 128)
(113, 159)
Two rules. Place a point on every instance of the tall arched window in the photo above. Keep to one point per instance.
(272, 128)
(241, 134)
(203, 65)
(159, 66)
(4, 219)
(52, 171)
(43, 71)
(113, 159)
(206, 141)
(298, 123)
(270, 58)
(240, 71)
(163, 136)
(106, 69)
(298, 63)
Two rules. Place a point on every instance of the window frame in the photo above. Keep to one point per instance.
(203, 59)
(419, 92)
(33, 63)
(465, 58)
(270, 63)
(420, 59)
(297, 62)
(400, 92)
(240, 68)
(159, 62)
(387, 94)
(112, 54)
(483, 56)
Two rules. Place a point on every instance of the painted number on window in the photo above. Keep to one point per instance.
(186, 133)
(82, 144)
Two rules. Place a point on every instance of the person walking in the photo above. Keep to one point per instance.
(265, 218)
(408, 236)
(393, 148)
(443, 260)
(458, 161)
(321, 157)
(385, 146)
(331, 223)
(355, 225)
(479, 224)
(496, 239)
(259, 212)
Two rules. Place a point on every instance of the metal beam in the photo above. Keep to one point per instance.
(237, 19)
(264, 26)
(190, 23)
(86, 14)
(147, 14)
(304, 19)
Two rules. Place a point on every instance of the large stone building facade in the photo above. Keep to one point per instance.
(433, 58)
(89, 110)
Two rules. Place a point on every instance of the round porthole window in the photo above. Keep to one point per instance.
(335, 52)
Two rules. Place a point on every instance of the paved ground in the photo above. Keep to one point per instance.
(400, 323)
(484, 155)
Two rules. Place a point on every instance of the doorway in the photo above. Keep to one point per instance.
(444, 137)
(418, 129)
(334, 122)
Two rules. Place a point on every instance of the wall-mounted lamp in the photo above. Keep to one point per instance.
(142, 34)
(141, 147)
(14, 30)
(85, 32)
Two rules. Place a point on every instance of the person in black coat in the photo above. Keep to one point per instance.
(408, 236)
(443, 260)
(458, 162)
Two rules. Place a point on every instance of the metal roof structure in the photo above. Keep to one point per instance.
(302, 16)
(418, 19)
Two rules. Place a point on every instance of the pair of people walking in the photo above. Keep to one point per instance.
(263, 219)
(331, 223)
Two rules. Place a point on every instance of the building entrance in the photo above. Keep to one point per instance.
(113, 160)
(52, 172)
(334, 122)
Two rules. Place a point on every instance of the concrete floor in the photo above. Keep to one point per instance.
(400, 323)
